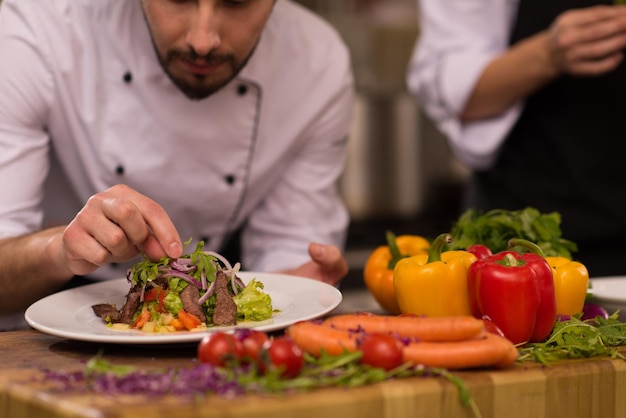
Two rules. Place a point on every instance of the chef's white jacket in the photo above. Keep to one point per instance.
(458, 38)
(84, 105)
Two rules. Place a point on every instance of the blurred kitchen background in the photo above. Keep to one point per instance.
(400, 173)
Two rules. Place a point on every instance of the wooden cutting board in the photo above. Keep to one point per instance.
(589, 389)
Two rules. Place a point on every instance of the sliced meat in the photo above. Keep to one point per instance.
(107, 312)
(133, 300)
(161, 282)
(190, 296)
(225, 312)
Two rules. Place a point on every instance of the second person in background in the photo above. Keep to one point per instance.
(530, 95)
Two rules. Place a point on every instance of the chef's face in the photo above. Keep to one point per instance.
(203, 44)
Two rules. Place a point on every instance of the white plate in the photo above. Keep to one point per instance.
(68, 314)
(611, 288)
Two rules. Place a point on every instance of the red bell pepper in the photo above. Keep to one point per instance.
(516, 291)
(479, 250)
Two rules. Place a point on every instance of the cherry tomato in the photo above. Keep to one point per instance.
(252, 342)
(283, 353)
(219, 349)
(381, 350)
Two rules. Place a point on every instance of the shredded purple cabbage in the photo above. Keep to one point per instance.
(201, 379)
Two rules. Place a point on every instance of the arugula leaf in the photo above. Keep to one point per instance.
(146, 270)
(579, 339)
(206, 263)
(496, 227)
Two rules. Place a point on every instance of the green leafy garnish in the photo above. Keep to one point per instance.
(147, 270)
(573, 338)
(496, 227)
(98, 365)
(253, 304)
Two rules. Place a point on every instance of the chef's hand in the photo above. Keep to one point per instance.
(327, 264)
(588, 41)
(115, 226)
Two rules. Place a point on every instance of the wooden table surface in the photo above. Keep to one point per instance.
(590, 388)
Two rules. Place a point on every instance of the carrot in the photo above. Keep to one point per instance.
(190, 321)
(481, 350)
(511, 354)
(313, 338)
(451, 328)
(489, 350)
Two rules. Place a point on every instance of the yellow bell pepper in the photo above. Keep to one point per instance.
(378, 272)
(571, 281)
(434, 284)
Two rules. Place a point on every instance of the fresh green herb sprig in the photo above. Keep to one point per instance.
(573, 338)
(147, 270)
(496, 227)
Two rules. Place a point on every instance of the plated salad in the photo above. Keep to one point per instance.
(195, 291)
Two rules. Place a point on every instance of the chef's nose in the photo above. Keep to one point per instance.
(203, 34)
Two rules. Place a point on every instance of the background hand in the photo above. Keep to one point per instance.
(588, 41)
(327, 264)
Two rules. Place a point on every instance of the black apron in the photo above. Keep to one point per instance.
(565, 154)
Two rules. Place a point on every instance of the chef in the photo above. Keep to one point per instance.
(133, 126)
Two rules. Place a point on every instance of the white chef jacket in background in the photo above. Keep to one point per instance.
(85, 105)
(458, 38)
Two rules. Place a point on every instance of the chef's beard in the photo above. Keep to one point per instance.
(199, 88)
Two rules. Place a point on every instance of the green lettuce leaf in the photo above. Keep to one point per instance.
(173, 303)
(253, 304)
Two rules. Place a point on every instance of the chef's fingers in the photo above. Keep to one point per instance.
(145, 223)
(123, 226)
(83, 252)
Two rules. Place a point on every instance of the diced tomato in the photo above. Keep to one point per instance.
(142, 318)
(156, 294)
